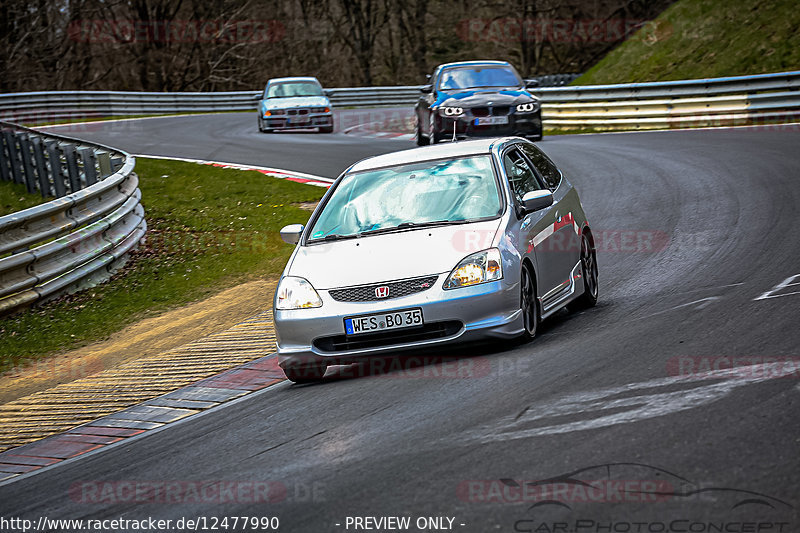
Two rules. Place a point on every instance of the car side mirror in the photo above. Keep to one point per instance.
(291, 233)
(531, 84)
(258, 96)
(536, 200)
(426, 89)
(326, 92)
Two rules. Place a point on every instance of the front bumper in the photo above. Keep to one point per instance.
(521, 125)
(297, 122)
(313, 336)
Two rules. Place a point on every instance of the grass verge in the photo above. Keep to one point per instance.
(15, 197)
(208, 229)
(706, 39)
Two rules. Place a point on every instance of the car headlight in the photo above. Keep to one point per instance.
(476, 268)
(296, 293)
(526, 108)
(273, 112)
(451, 111)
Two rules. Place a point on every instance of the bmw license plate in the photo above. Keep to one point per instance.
(299, 120)
(383, 321)
(489, 121)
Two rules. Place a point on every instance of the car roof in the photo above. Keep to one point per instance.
(470, 63)
(428, 153)
(295, 78)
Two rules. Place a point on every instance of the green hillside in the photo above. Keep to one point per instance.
(706, 39)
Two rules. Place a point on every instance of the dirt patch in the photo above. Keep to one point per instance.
(308, 206)
(148, 337)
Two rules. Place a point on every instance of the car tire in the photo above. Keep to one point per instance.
(433, 137)
(306, 373)
(326, 129)
(421, 139)
(529, 304)
(589, 273)
(260, 125)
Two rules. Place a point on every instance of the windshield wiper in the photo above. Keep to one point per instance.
(399, 227)
(333, 237)
(414, 225)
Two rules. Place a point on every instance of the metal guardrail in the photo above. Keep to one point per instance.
(81, 237)
(670, 104)
(727, 101)
(55, 106)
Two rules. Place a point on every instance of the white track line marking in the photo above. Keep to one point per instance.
(628, 403)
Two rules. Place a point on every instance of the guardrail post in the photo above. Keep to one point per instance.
(104, 162)
(89, 167)
(72, 167)
(54, 158)
(5, 168)
(41, 166)
(13, 155)
(27, 162)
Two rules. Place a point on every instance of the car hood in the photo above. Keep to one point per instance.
(481, 97)
(390, 256)
(295, 101)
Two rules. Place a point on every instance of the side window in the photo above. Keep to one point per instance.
(546, 168)
(520, 176)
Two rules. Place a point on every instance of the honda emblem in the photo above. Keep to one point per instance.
(381, 292)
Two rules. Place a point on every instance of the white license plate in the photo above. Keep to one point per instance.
(488, 121)
(383, 321)
(299, 120)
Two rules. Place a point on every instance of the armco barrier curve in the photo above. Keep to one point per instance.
(79, 238)
(50, 107)
(734, 100)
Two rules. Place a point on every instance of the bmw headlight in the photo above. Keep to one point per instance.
(526, 108)
(476, 268)
(451, 111)
(296, 293)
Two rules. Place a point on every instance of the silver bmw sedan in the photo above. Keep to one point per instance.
(434, 245)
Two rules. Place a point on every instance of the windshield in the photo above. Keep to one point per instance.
(449, 191)
(479, 76)
(293, 88)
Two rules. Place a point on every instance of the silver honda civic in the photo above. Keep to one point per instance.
(434, 245)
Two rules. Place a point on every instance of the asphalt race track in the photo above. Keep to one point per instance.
(695, 228)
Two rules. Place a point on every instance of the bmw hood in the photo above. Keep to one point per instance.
(391, 256)
(476, 98)
(295, 101)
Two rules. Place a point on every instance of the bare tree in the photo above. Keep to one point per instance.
(358, 23)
